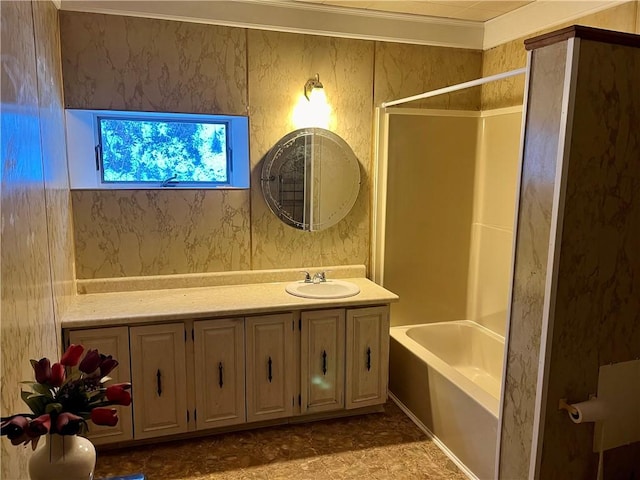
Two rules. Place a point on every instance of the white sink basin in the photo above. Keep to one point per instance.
(328, 289)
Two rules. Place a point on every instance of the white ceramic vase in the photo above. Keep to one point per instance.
(63, 457)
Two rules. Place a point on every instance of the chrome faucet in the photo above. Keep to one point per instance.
(307, 277)
(320, 277)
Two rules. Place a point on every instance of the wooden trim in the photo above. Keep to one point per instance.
(586, 33)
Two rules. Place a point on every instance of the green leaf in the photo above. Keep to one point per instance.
(73, 375)
(42, 389)
(35, 402)
(96, 393)
(53, 407)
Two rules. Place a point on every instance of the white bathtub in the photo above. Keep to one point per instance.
(448, 375)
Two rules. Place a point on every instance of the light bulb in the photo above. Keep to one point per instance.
(314, 112)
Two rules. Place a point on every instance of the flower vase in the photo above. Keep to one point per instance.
(63, 457)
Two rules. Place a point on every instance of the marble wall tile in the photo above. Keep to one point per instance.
(597, 306)
(532, 250)
(503, 58)
(128, 63)
(28, 327)
(512, 55)
(404, 70)
(110, 61)
(56, 176)
(121, 233)
(279, 66)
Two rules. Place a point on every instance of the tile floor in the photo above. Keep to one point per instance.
(377, 446)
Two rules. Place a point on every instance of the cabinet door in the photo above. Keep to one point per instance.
(322, 355)
(219, 372)
(159, 380)
(367, 356)
(112, 341)
(270, 368)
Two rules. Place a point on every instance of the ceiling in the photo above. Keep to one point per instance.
(478, 10)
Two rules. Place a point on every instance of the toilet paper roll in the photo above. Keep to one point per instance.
(590, 411)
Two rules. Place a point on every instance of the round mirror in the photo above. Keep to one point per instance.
(310, 179)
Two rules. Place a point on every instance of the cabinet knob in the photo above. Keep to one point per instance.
(368, 359)
(270, 377)
(220, 382)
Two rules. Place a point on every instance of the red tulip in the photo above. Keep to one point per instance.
(15, 428)
(104, 416)
(90, 362)
(72, 355)
(108, 363)
(39, 426)
(118, 394)
(68, 423)
(58, 375)
(42, 369)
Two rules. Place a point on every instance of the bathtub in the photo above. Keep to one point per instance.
(448, 376)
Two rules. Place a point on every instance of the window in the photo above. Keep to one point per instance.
(136, 150)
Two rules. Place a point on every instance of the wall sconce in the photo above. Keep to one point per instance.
(312, 109)
(311, 85)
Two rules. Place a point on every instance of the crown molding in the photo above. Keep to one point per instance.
(540, 15)
(298, 17)
(327, 20)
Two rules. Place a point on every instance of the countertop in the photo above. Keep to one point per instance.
(133, 307)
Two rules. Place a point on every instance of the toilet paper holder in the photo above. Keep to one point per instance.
(563, 405)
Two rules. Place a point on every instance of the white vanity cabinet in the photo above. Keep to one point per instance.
(112, 341)
(367, 356)
(219, 372)
(201, 374)
(270, 366)
(158, 375)
(322, 347)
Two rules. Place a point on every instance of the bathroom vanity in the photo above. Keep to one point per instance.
(218, 358)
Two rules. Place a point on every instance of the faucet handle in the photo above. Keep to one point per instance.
(321, 276)
(307, 277)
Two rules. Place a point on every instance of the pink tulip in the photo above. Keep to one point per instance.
(42, 369)
(15, 428)
(68, 423)
(58, 375)
(104, 416)
(72, 355)
(39, 426)
(118, 394)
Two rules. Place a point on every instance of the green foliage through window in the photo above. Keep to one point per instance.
(146, 150)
